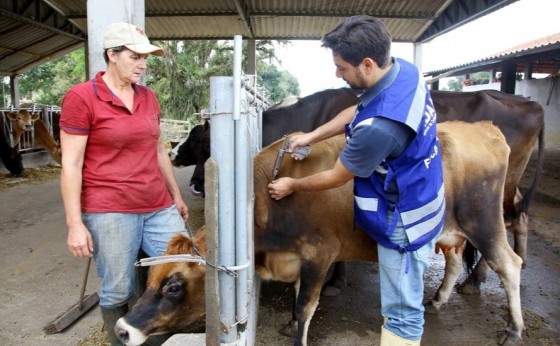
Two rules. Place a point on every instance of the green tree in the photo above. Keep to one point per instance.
(280, 83)
(182, 79)
(47, 83)
(454, 84)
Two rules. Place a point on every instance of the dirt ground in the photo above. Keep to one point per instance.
(39, 280)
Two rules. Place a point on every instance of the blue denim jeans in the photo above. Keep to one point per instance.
(402, 293)
(117, 240)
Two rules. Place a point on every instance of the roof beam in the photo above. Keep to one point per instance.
(40, 25)
(461, 12)
(271, 14)
(243, 13)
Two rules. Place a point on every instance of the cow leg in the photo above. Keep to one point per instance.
(291, 328)
(336, 281)
(520, 229)
(311, 280)
(471, 285)
(507, 264)
(453, 268)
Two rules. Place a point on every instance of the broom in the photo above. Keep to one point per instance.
(75, 312)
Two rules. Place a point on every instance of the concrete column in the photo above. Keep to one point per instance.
(418, 56)
(102, 13)
(251, 57)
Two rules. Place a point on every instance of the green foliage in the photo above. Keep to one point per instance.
(47, 83)
(280, 83)
(182, 79)
(454, 84)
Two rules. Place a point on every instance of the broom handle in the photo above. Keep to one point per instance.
(84, 283)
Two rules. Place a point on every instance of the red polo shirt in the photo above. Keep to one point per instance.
(120, 172)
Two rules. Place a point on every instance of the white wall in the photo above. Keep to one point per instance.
(538, 90)
(493, 86)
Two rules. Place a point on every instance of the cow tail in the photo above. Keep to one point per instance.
(524, 205)
(470, 256)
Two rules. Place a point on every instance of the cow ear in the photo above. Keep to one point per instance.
(206, 125)
(34, 116)
(178, 245)
(12, 115)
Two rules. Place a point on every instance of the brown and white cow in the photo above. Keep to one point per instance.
(299, 237)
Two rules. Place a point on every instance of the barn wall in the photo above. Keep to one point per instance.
(538, 90)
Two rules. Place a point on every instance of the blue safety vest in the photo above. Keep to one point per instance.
(418, 170)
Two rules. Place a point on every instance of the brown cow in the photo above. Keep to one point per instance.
(299, 237)
(22, 121)
(43, 139)
(25, 121)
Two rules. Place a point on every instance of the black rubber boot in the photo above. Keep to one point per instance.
(110, 318)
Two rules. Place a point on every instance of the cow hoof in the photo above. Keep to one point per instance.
(509, 338)
(469, 288)
(194, 191)
(430, 308)
(289, 329)
(330, 291)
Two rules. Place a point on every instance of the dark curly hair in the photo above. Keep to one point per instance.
(360, 37)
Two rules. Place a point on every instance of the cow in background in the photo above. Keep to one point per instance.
(11, 157)
(522, 123)
(195, 151)
(43, 139)
(22, 121)
(298, 237)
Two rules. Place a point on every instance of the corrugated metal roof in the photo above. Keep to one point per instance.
(543, 53)
(530, 45)
(34, 31)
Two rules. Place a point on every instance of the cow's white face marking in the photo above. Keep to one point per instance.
(135, 336)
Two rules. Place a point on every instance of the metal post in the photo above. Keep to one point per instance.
(222, 150)
(243, 184)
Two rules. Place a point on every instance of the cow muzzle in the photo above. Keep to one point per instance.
(128, 334)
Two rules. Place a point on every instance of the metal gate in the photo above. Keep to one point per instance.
(236, 106)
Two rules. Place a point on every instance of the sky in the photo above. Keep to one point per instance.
(517, 23)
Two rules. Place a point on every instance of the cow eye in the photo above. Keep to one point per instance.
(174, 290)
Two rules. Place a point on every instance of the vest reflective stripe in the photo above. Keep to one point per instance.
(412, 216)
(416, 111)
(426, 226)
(364, 122)
(368, 204)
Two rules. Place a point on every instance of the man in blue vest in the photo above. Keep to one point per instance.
(393, 155)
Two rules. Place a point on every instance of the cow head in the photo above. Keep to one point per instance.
(174, 298)
(195, 151)
(22, 121)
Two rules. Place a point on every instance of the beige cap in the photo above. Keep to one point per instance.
(130, 36)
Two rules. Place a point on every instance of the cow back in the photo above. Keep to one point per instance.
(307, 113)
